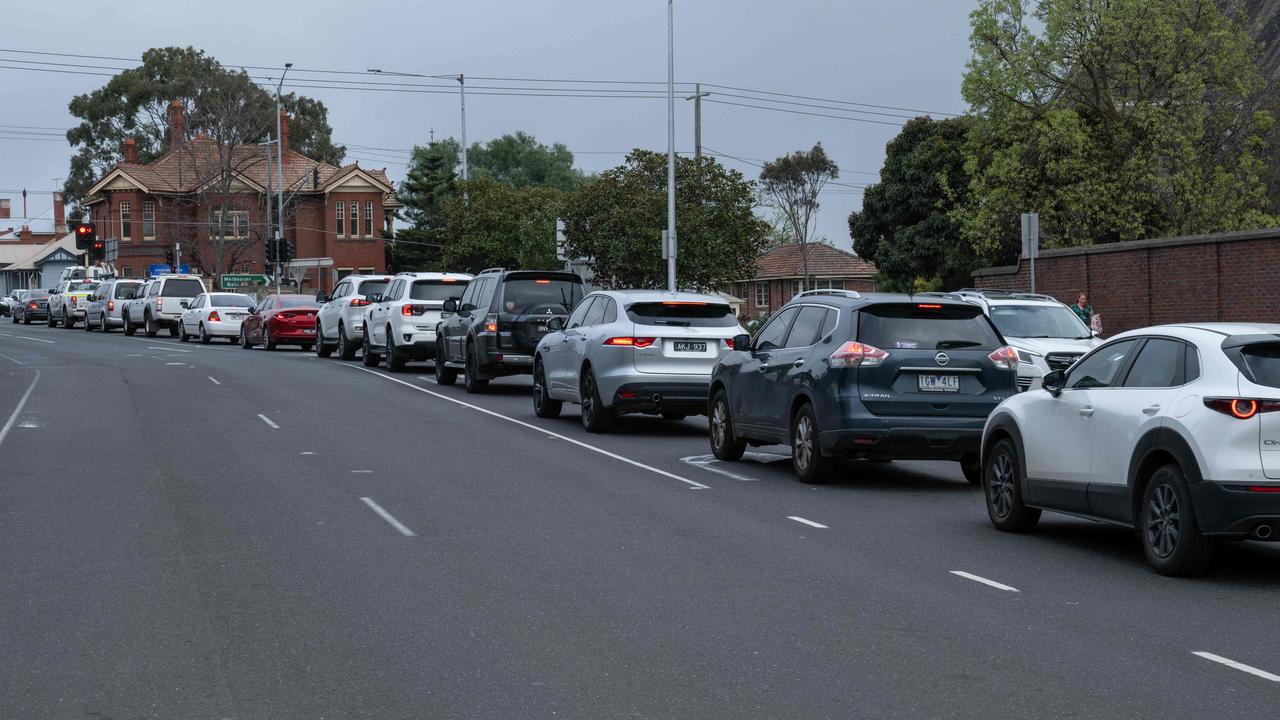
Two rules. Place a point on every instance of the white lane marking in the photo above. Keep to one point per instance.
(657, 471)
(984, 581)
(6, 334)
(4, 431)
(168, 363)
(387, 516)
(1237, 665)
(213, 380)
(362, 471)
(6, 357)
(306, 452)
(24, 337)
(166, 349)
(267, 420)
(707, 462)
(810, 523)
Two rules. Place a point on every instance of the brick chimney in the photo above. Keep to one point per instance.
(129, 149)
(177, 125)
(6, 209)
(284, 132)
(59, 215)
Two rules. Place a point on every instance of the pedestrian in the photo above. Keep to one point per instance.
(1084, 310)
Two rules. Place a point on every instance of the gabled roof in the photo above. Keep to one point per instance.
(786, 261)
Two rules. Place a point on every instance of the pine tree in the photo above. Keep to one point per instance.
(430, 180)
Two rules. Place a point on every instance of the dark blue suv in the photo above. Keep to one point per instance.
(835, 374)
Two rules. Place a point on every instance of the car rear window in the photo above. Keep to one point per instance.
(926, 326)
(524, 292)
(436, 290)
(124, 290)
(36, 295)
(682, 314)
(230, 300)
(369, 287)
(1262, 363)
(82, 287)
(181, 287)
(293, 301)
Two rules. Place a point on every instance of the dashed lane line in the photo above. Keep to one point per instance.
(24, 337)
(6, 357)
(267, 420)
(1237, 665)
(810, 523)
(984, 581)
(213, 380)
(388, 517)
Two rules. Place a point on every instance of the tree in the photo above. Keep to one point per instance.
(135, 104)
(908, 224)
(430, 180)
(616, 223)
(790, 185)
(519, 160)
(489, 224)
(1115, 121)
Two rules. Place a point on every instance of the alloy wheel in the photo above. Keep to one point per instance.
(719, 423)
(803, 443)
(1162, 526)
(1002, 479)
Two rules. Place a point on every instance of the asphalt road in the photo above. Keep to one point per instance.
(207, 532)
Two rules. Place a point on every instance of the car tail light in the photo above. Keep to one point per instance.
(111, 305)
(159, 303)
(856, 354)
(74, 300)
(1265, 488)
(728, 343)
(928, 306)
(359, 302)
(408, 310)
(1242, 408)
(491, 323)
(214, 317)
(637, 342)
(33, 306)
(281, 316)
(542, 282)
(1006, 358)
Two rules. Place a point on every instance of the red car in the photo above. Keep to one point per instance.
(280, 320)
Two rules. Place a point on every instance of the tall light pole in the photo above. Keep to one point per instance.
(462, 100)
(671, 148)
(279, 177)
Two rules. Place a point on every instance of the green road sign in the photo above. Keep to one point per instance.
(237, 282)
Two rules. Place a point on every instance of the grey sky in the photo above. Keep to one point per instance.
(907, 53)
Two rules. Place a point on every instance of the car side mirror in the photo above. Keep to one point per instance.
(1096, 333)
(321, 297)
(1054, 382)
(741, 342)
(450, 305)
(373, 298)
(253, 311)
(555, 324)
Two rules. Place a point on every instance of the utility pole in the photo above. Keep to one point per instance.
(279, 177)
(696, 97)
(462, 96)
(671, 148)
(266, 148)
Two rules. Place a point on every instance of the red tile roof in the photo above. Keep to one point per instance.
(785, 261)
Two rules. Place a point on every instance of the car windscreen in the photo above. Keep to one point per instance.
(682, 314)
(181, 287)
(1262, 363)
(230, 300)
(435, 290)
(125, 290)
(294, 301)
(369, 287)
(926, 326)
(82, 287)
(1038, 321)
(524, 292)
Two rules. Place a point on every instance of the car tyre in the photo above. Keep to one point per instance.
(129, 329)
(444, 375)
(204, 335)
(150, 327)
(267, 343)
(51, 321)
(395, 358)
(543, 405)
(68, 322)
(104, 326)
(471, 380)
(723, 444)
(370, 358)
(182, 333)
(244, 340)
(173, 332)
(346, 350)
(806, 450)
(1002, 486)
(971, 466)
(323, 349)
(596, 418)
(87, 326)
(1171, 537)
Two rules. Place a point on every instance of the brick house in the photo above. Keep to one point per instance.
(780, 275)
(342, 213)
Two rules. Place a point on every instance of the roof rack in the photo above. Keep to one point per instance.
(831, 291)
(1014, 294)
(491, 270)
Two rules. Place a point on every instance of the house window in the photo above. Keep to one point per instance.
(148, 220)
(762, 294)
(126, 271)
(342, 226)
(366, 271)
(234, 223)
(344, 272)
(126, 222)
(368, 219)
(355, 220)
(828, 284)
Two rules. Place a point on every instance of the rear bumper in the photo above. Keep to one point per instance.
(419, 350)
(1230, 510)
(500, 363)
(689, 398)
(292, 336)
(908, 438)
(222, 329)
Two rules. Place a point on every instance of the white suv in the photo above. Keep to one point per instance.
(1171, 430)
(401, 323)
(340, 322)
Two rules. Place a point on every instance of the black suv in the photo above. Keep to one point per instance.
(835, 374)
(498, 322)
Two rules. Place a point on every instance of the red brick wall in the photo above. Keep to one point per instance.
(1224, 277)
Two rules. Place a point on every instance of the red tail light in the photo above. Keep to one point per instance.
(33, 306)
(111, 305)
(1006, 358)
(74, 301)
(159, 303)
(929, 306)
(359, 302)
(543, 282)
(281, 316)
(637, 342)
(1242, 408)
(856, 354)
(213, 317)
(491, 323)
(1265, 488)
(406, 309)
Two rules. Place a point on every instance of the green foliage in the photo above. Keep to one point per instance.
(135, 104)
(1114, 120)
(908, 225)
(519, 160)
(616, 224)
(753, 325)
(430, 180)
(489, 224)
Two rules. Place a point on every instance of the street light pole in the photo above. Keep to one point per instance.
(671, 149)
(279, 178)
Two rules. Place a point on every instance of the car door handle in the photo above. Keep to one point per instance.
(798, 362)
(1086, 411)
(1151, 409)
(763, 367)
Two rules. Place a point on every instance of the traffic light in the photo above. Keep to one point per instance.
(98, 250)
(286, 251)
(86, 233)
(168, 256)
(271, 251)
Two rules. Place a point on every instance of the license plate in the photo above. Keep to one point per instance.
(541, 328)
(940, 383)
(690, 346)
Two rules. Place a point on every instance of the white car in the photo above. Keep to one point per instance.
(213, 315)
(340, 322)
(1046, 333)
(1171, 430)
(401, 322)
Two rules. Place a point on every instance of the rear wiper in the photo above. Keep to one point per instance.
(952, 344)
(677, 323)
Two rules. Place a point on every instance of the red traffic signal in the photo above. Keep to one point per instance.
(86, 233)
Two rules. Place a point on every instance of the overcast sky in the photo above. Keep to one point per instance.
(902, 53)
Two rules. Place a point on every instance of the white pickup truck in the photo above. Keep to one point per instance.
(67, 302)
(159, 303)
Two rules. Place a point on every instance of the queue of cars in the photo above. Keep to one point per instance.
(1173, 431)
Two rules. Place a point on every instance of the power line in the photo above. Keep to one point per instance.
(802, 112)
(819, 99)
